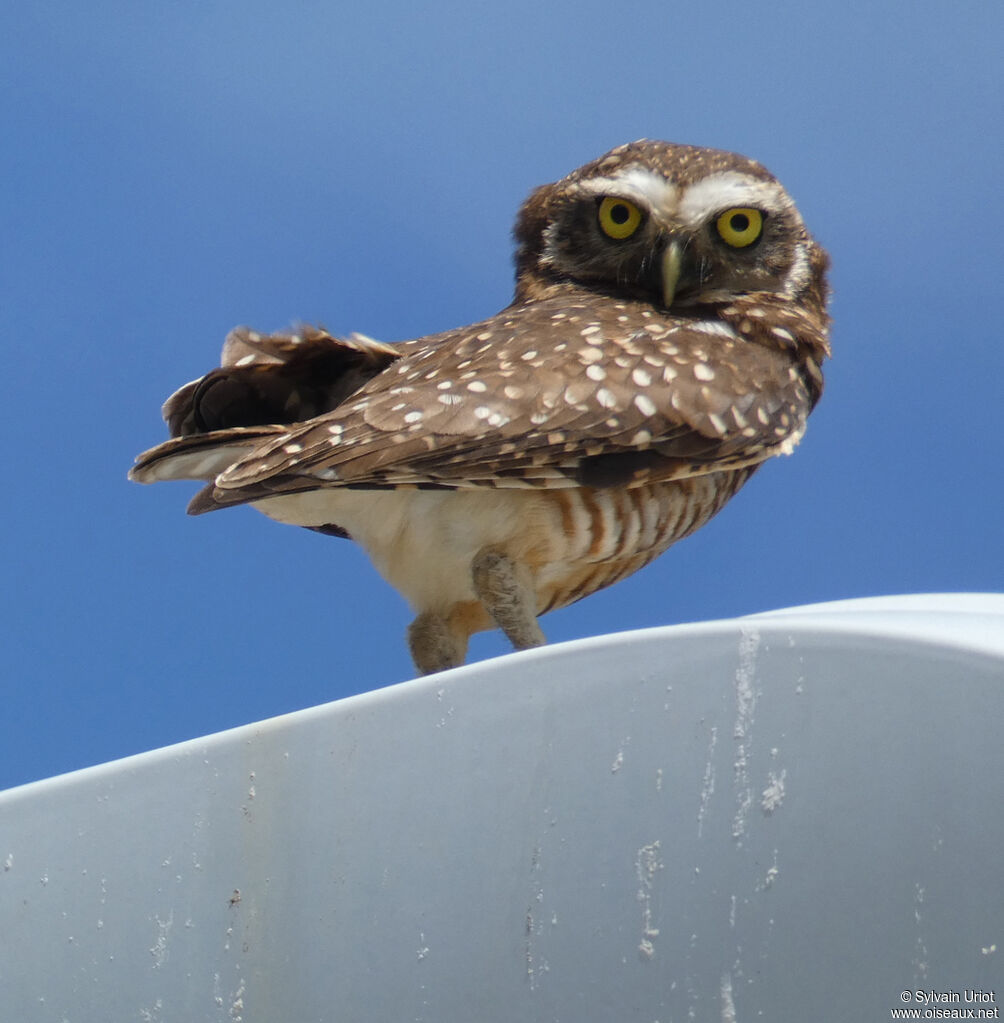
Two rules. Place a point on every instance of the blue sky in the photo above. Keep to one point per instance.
(172, 170)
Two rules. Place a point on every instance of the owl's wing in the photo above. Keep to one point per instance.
(555, 395)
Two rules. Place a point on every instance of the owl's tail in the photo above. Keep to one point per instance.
(200, 456)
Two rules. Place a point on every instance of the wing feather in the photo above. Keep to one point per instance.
(553, 395)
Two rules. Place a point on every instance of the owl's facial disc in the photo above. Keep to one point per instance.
(675, 240)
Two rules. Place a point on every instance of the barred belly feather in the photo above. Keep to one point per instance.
(607, 535)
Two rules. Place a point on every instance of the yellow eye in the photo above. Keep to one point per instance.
(619, 218)
(740, 227)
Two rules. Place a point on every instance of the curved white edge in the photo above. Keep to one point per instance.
(952, 603)
(965, 621)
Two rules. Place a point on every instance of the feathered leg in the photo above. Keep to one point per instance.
(506, 590)
(435, 645)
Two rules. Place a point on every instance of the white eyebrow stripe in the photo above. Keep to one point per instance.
(649, 190)
(719, 191)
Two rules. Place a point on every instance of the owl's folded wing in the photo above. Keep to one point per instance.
(494, 405)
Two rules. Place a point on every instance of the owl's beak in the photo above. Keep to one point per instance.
(672, 264)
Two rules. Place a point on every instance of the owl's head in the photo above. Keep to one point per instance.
(668, 224)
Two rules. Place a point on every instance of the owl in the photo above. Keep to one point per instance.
(665, 339)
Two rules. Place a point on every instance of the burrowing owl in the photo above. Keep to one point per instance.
(665, 339)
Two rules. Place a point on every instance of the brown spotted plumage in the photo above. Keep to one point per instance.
(665, 339)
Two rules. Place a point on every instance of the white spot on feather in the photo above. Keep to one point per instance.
(714, 327)
(644, 404)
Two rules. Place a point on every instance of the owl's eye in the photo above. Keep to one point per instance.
(618, 218)
(740, 227)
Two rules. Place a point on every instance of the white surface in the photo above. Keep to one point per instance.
(794, 816)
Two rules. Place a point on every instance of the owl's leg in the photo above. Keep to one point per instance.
(506, 590)
(435, 645)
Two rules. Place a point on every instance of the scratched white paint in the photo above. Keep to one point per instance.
(767, 818)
